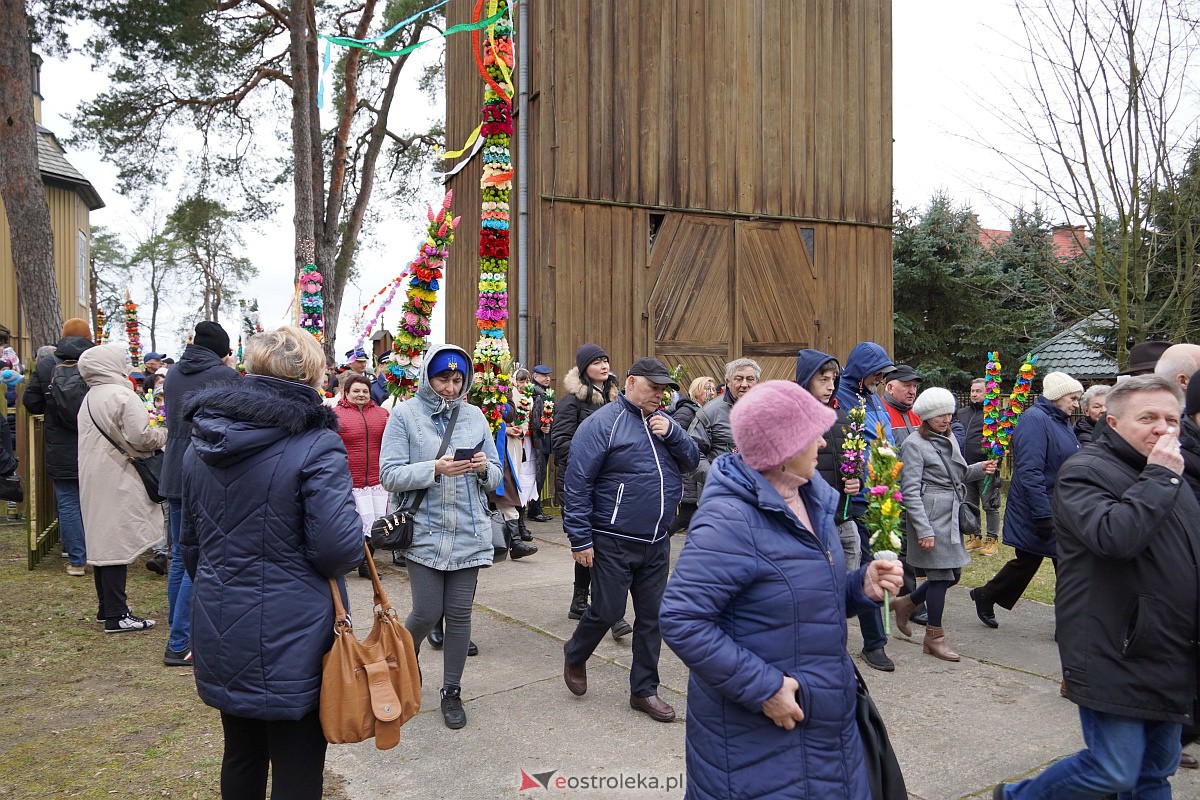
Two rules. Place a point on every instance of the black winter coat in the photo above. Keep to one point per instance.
(684, 411)
(1189, 439)
(1127, 601)
(196, 369)
(970, 417)
(61, 439)
(268, 518)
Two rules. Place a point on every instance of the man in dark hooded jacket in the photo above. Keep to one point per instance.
(865, 369)
(200, 366)
(61, 443)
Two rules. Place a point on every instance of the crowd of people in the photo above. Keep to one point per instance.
(271, 480)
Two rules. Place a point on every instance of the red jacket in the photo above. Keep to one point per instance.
(362, 432)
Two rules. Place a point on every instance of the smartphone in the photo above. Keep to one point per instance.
(467, 453)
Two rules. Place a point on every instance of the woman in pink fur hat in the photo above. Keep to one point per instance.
(757, 609)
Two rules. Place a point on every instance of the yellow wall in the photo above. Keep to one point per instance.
(69, 220)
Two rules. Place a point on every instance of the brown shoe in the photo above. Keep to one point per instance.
(1188, 761)
(990, 547)
(974, 543)
(935, 644)
(575, 677)
(904, 607)
(653, 705)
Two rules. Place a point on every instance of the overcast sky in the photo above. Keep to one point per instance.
(951, 61)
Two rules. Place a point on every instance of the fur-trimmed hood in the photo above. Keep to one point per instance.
(233, 421)
(583, 390)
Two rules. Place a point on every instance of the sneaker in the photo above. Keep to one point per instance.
(177, 658)
(877, 659)
(974, 543)
(127, 623)
(452, 708)
(76, 572)
(990, 547)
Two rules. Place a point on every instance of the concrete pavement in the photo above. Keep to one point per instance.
(957, 728)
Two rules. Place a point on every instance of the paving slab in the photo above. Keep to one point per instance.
(957, 728)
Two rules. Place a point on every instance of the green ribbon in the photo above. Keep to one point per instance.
(344, 41)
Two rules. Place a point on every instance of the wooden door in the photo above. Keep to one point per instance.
(724, 289)
(690, 305)
(776, 295)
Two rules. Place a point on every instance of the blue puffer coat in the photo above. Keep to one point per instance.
(1042, 441)
(268, 518)
(622, 480)
(452, 529)
(756, 596)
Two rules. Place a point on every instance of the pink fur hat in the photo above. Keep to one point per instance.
(776, 420)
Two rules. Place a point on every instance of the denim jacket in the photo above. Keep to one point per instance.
(453, 529)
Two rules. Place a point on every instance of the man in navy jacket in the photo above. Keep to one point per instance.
(623, 484)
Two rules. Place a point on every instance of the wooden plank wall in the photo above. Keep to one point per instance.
(756, 108)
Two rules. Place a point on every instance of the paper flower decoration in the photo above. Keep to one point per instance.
(424, 275)
(132, 330)
(489, 388)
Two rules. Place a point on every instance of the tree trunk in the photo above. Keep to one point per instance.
(302, 144)
(21, 188)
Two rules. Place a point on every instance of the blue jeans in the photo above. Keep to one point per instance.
(1131, 758)
(70, 521)
(179, 587)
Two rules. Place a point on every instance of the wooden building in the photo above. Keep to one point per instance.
(706, 180)
(71, 198)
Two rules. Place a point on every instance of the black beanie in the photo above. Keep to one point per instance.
(212, 336)
(586, 354)
(1192, 406)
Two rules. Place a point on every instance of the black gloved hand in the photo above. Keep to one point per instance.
(1043, 528)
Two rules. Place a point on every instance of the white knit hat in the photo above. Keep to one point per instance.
(933, 402)
(1059, 384)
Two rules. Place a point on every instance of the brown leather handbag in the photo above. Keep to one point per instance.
(369, 688)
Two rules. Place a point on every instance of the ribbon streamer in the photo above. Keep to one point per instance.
(460, 28)
(459, 166)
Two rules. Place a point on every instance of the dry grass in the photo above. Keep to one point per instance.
(89, 715)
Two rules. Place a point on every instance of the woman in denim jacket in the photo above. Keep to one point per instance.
(452, 535)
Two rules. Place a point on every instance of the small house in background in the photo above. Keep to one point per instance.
(1078, 351)
(1069, 241)
(71, 198)
(381, 342)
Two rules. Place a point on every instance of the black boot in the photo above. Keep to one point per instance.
(437, 636)
(579, 604)
(512, 535)
(526, 536)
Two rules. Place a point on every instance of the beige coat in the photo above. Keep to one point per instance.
(119, 520)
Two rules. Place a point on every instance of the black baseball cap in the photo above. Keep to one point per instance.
(653, 370)
(902, 372)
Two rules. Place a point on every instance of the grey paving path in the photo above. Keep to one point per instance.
(957, 728)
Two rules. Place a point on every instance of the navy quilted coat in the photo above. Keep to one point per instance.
(268, 518)
(1042, 441)
(755, 596)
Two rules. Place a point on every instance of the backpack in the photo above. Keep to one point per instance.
(67, 390)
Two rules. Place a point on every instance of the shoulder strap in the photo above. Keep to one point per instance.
(960, 491)
(419, 497)
(121, 450)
